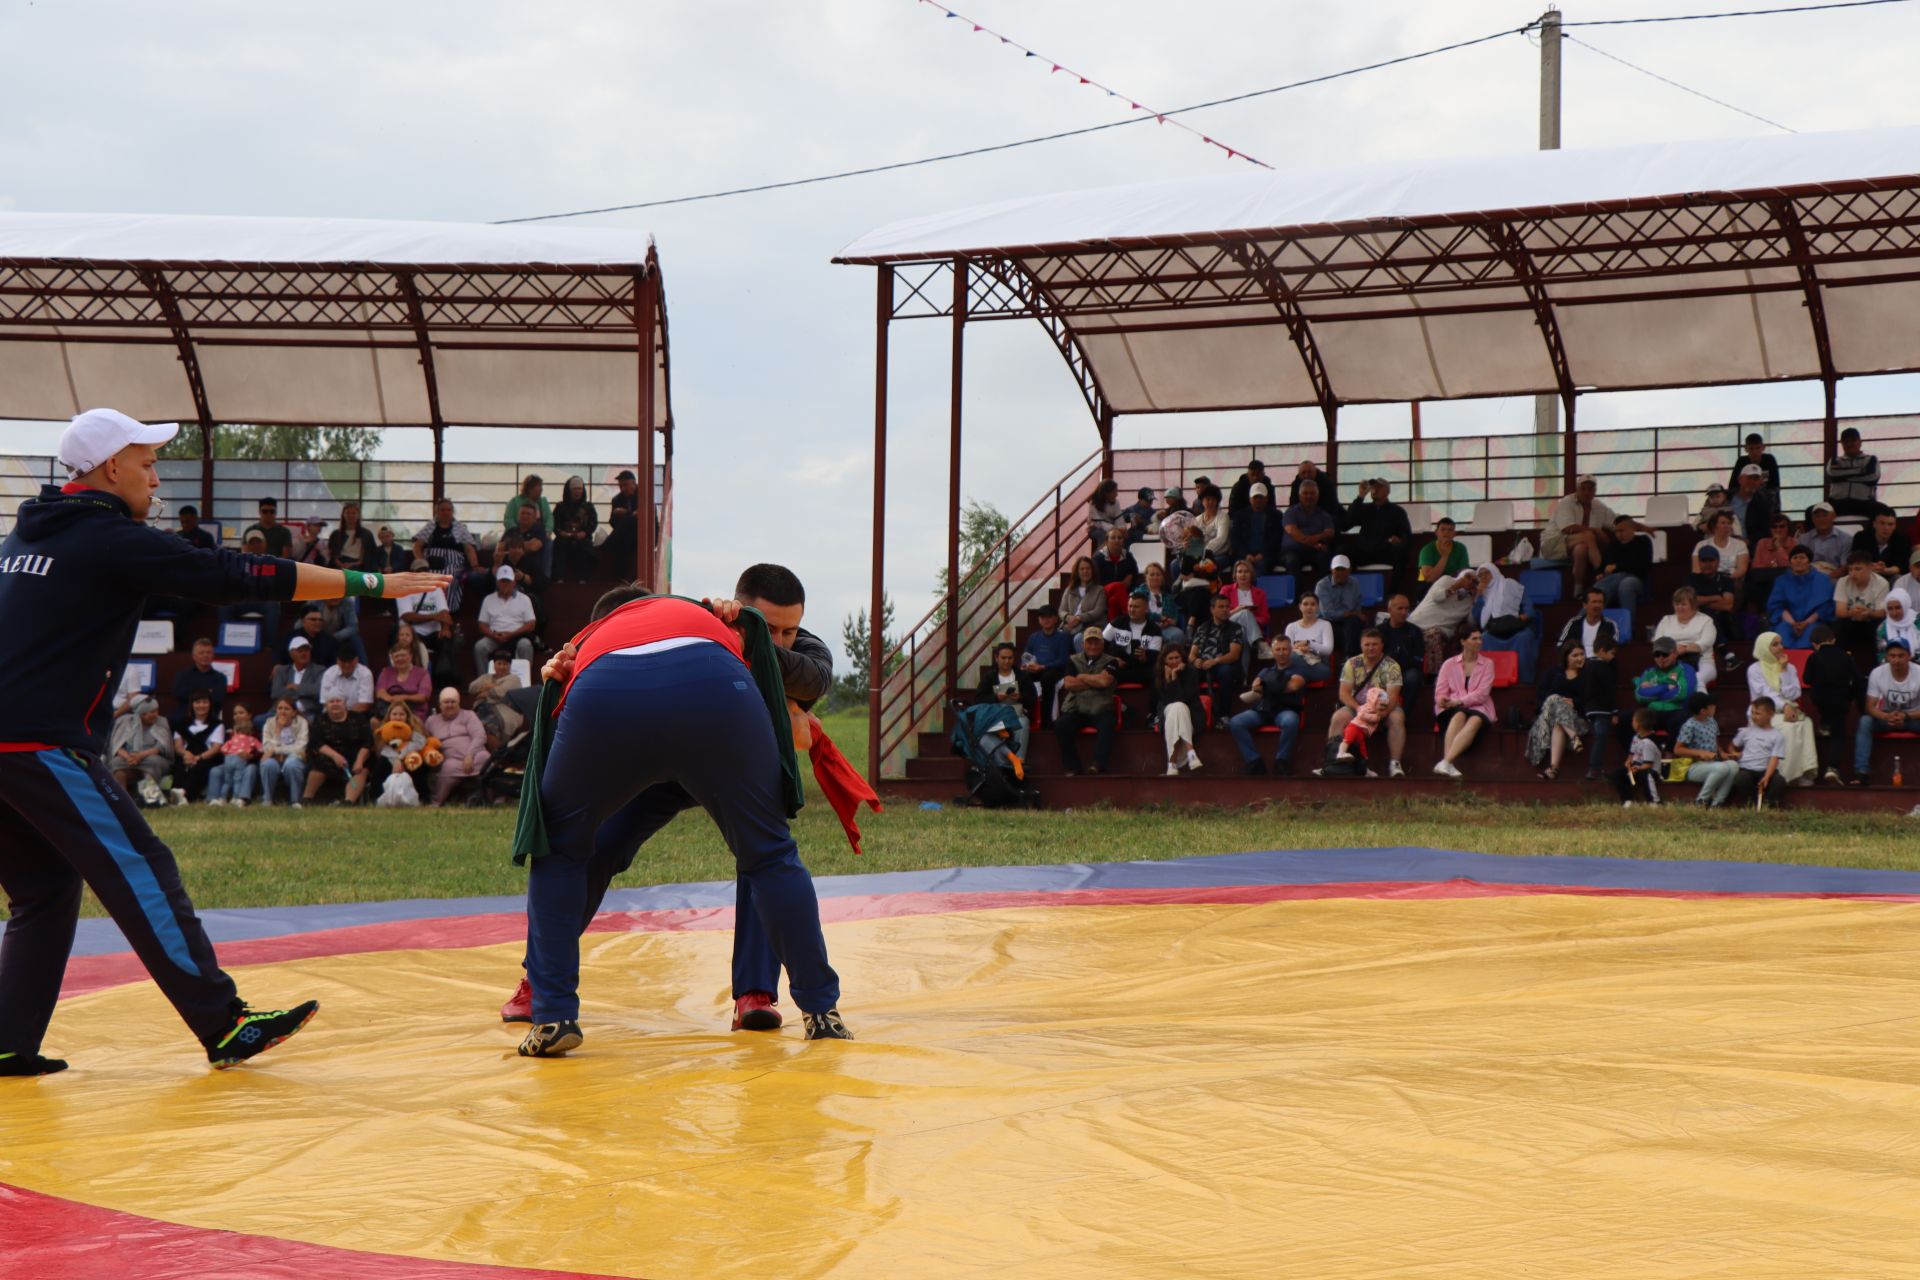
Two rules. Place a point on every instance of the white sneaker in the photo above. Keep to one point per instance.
(215, 803)
(1446, 770)
(1173, 770)
(177, 796)
(1193, 761)
(293, 804)
(1626, 804)
(239, 804)
(1394, 770)
(1263, 651)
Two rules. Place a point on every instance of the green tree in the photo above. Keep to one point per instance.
(232, 440)
(855, 637)
(982, 528)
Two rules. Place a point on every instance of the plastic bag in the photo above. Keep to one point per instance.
(398, 793)
(1523, 552)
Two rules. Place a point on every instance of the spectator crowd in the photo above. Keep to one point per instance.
(334, 722)
(1227, 611)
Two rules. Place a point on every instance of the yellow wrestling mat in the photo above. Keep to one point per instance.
(1540, 1085)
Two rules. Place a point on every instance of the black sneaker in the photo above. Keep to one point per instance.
(1253, 767)
(551, 1040)
(256, 1032)
(29, 1064)
(826, 1026)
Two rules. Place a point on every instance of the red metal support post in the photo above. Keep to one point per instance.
(876, 631)
(647, 320)
(953, 475)
(1105, 423)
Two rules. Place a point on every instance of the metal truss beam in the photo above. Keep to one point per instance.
(1259, 266)
(1795, 233)
(1520, 262)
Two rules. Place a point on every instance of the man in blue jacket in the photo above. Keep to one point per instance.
(74, 576)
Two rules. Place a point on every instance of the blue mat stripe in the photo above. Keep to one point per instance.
(1297, 866)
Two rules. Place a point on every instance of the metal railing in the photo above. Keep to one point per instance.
(1018, 573)
(1634, 464)
(310, 493)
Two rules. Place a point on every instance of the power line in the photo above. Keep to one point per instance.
(1022, 142)
(1742, 13)
(1718, 102)
(1216, 102)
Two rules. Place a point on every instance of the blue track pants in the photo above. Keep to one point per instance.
(64, 820)
(642, 736)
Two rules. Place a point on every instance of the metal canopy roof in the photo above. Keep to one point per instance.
(330, 322)
(1672, 265)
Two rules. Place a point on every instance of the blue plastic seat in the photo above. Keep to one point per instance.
(1278, 588)
(1373, 588)
(1622, 621)
(1543, 586)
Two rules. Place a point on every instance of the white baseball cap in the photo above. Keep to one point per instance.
(1257, 491)
(504, 571)
(1340, 562)
(98, 434)
(298, 642)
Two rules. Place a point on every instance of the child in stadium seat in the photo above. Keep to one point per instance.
(1759, 748)
(1601, 697)
(1699, 742)
(1353, 739)
(1834, 683)
(1641, 772)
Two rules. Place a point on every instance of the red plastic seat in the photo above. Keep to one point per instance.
(1797, 659)
(1506, 667)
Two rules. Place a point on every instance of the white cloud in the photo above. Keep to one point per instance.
(481, 109)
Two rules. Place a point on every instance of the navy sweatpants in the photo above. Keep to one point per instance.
(617, 843)
(642, 736)
(63, 819)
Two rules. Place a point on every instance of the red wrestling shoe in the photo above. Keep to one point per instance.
(756, 1011)
(519, 1007)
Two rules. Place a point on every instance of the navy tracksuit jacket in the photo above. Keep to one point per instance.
(74, 577)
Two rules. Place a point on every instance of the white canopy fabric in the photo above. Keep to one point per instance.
(334, 322)
(1676, 264)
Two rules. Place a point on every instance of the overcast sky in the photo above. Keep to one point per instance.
(474, 111)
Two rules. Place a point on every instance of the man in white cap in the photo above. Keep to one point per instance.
(1579, 529)
(1340, 604)
(1753, 504)
(1830, 546)
(75, 574)
(506, 620)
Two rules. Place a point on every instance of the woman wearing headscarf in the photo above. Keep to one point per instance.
(1447, 608)
(1501, 611)
(1772, 676)
(1899, 624)
(574, 521)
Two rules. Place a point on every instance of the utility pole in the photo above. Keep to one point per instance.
(1546, 408)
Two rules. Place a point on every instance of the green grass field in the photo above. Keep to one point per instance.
(255, 857)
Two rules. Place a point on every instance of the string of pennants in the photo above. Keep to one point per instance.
(1233, 153)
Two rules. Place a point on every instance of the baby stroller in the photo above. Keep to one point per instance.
(983, 735)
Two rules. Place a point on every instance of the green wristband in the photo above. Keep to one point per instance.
(364, 584)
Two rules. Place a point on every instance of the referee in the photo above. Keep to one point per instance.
(74, 577)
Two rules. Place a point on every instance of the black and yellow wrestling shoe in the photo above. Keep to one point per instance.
(551, 1040)
(29, 1064)
(255, 1032)
(825, 1026)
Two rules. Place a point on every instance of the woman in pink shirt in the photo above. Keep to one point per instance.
(1247, 605)
(402, 682)
(1462, 701)
(463, 744)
